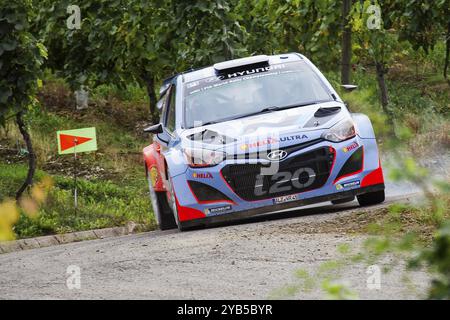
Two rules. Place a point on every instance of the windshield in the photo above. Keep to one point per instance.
(222, 98)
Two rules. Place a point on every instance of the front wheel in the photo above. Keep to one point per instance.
(163, 213)
(371, 198)
(175, 209)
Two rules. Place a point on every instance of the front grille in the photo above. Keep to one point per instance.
(296, 174)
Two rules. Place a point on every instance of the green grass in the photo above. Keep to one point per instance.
(101, 204)
(112, 185)
(111, 138)
(132, 93)
(418, 221)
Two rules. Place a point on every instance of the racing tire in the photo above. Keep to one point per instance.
(180, 225)
(371, 198)
(174, 209)
(344, 200)
(163, 213)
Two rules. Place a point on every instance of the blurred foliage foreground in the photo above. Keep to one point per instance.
(29, 205)
(417, 235)
(414, 236)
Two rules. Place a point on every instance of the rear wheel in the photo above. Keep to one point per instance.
(163, 213)
(371, 198)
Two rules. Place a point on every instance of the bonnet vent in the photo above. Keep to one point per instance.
(325, 112)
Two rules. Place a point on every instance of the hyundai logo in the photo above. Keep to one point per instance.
(277, 155)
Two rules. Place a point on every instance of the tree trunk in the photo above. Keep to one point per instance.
(384, 98)
(381, 71)
(150, 86)
(447, 51)
(346, 42)
(31, 155)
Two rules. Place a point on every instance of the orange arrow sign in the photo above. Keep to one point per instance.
(68, 141)
(76, 140)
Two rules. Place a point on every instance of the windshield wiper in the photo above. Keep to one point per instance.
(264, 110)
(268, 109)
(208, 123)
(276, 108)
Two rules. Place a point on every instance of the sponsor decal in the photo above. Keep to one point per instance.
(154, 175)
(192, 84)
(284, 199)
(202, 175)
(295, 137)
(218, 210)
(259, 143)
(251, 71)
(277, 155)
(351, 147)
(246, 73)
(285, 181)
(346, 185)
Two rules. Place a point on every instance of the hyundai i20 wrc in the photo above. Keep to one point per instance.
(256, 135)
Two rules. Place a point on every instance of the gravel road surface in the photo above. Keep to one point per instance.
(256, 259)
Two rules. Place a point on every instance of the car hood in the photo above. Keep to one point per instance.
(285, 127)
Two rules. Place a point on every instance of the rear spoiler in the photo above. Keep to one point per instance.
(230, 66)
(241, 64)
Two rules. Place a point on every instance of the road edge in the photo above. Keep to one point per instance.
(57, 239)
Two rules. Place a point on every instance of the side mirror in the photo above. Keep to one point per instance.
(349, 87)
(155, 129)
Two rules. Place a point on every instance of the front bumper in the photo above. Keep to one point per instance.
(283, 206)
(332, 188)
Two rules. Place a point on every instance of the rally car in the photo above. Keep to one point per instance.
(256, 135)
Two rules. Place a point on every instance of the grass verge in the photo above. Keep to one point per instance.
(102, 204)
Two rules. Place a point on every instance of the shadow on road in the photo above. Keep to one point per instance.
(286, 214)
(315, 209)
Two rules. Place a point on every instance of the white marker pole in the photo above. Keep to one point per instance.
(75, 175)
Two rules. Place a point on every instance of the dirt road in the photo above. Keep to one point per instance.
(253, 260)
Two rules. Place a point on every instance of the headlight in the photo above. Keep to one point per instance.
(340, 132)
(202, 157)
